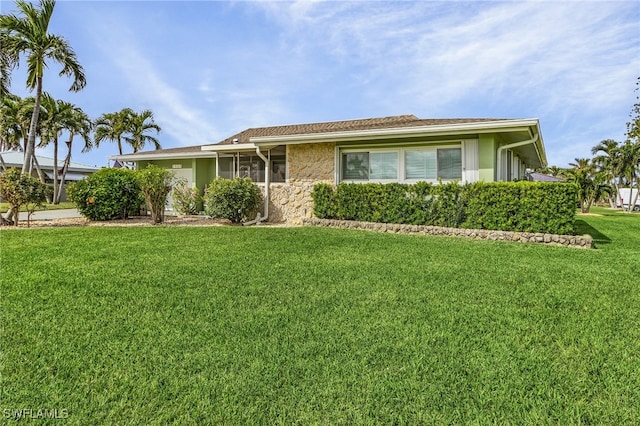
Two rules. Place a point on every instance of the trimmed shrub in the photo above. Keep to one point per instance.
(185, 199)
(508, 206)
(235, 199)
(107, 194)
(20, 189)
(323, 201)
(155, 183)
(522, 206)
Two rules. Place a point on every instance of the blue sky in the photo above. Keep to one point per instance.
(209, 69)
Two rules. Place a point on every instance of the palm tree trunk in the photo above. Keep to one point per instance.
(31, 141)
(633, 199)
(2, 164)
(55, 168)
(41, 175)
(65, 167)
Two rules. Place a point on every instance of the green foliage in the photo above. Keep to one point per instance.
(107, 194)
(323, 201)
(155, 183)
(20, 190)
(509, 206)
(185, 199)
(235, 199)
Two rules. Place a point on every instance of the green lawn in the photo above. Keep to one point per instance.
(63, 205)
(233, 325)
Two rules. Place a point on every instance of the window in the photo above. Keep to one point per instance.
(421, 165)
(370, 166)
(355, 166)
(404, 164)
(450, 163)
(251, 166)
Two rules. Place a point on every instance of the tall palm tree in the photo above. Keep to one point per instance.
(10, 129)
(7, 62)
(112, 126)
(591, 184)
(80, 124)
(14, 125)
(54, 118)
(607, 162)
(140, 124)
(629, 168)
(28, 35)
(582, 164)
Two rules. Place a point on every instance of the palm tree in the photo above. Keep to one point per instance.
(10, 129)
(58, 117)
(53, 120)
(7, 62)
(140, 124)
(80, 124)
(607, 162)
(629, 168)
(28, 35)
(112, 126)
(14, 125)
(591, 184)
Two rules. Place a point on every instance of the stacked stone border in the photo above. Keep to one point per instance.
(584, 241)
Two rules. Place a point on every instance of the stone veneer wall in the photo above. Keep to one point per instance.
(584, 241)
(307, 164)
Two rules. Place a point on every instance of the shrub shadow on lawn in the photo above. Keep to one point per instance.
(583, 227)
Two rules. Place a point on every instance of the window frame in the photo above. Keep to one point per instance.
(401, 153)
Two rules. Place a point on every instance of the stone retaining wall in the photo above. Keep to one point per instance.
(584, 241)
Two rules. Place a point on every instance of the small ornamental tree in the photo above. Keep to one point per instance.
(22, 190)
(155, 183)
(235, 199)
(107, 194)
(185, 199)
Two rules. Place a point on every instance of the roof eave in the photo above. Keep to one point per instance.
(387, 133)
(230, 147)
(162, 156)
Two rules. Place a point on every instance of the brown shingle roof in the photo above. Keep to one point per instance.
(397, 121)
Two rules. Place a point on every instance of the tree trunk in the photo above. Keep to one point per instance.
(633, 199)
(55, 169)
(29, 150)
(2, 164)
(41, 175)
(65, 167)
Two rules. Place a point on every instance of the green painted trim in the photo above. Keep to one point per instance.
(487, 147)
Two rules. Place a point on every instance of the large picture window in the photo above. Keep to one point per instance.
(370, 166)
(404, 164)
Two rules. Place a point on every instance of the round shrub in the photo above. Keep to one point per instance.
(235, 199)
(107, 194)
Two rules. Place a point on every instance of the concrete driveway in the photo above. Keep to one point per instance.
(51, 214)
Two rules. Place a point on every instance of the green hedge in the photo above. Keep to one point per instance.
(508, 206)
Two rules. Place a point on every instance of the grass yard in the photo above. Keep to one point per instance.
(63, 205)
(262, 325)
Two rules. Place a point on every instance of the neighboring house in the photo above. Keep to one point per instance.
(76, 171)
(289, 160)
(541, 177)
